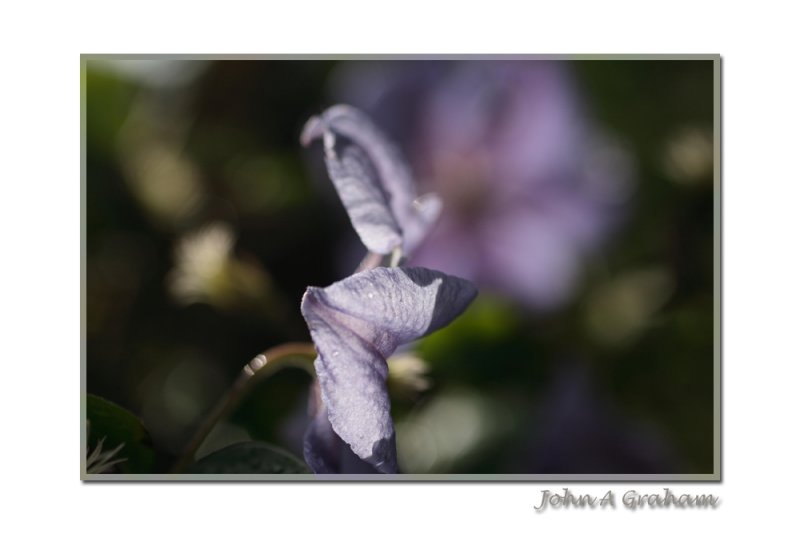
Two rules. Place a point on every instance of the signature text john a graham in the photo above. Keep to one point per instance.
(632, 500)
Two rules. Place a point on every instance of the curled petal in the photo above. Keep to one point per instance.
(393, 173)
(388, 307)
(392, 168)
(353, 388)
(313, 129)
(364, 199)
(352, 376)
(359, 322)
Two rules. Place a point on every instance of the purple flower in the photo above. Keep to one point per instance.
(356, 324)
(530, 188)
(359, 322)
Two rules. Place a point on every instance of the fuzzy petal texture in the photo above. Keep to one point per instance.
(413, 217)
(364, 199)
(359, 322)
(327, 454)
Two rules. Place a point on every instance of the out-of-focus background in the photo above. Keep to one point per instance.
(578, 197)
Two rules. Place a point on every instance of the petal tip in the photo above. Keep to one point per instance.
(311, 130)
(309, 298)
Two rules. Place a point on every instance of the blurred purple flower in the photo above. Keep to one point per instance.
(356, 324)
(529, 188)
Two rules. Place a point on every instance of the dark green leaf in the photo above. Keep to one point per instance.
(116, 426)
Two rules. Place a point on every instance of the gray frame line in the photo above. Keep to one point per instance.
(716, 476)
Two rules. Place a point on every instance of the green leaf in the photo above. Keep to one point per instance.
(110, 426)
(249, 457)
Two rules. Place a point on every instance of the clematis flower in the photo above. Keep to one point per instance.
(356, 324)
(531, 187)
(359, 322)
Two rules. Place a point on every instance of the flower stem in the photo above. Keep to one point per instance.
(397, 257)
(370, 261)
(264, 365)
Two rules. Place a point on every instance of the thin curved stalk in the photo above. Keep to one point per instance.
(259, 368)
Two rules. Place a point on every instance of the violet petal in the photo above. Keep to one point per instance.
(393, 173)
(364, 199)
(359, 322)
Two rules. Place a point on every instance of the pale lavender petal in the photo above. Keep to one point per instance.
(393, 173)
(364, 199)
(392, 168)
(428, 208)
(326, 453)
(391, 306)
(352, 376)
(359, 322)
(313, 129)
